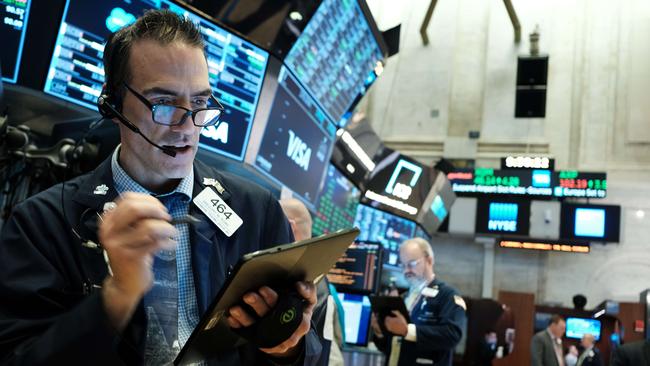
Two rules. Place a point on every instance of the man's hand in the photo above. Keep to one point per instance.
(131, 234)
(262, 302)
(396, 324)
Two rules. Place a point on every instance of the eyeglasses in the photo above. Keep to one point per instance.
(411, 264)
(173, 115)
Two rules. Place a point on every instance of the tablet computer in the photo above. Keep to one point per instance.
(282, 265)
(383, 306)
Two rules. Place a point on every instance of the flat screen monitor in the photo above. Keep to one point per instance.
(578, 327)
(356, 315)
(297, 142)
(236, 67)
(359, 269)
(14, 15)
(500, 216)
(385, 228)
(590, 222)
(337, 56)
(401, 185)
(337, 203)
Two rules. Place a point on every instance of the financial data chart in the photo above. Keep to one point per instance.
(337, 204)
(14, 15)
(358, 269)
(297, 143)
(236, 67)
(385, 228)
(337, 39)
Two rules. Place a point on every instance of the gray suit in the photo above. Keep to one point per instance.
(542, 352)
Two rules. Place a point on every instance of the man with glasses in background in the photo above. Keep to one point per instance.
(118, 265)
(436, 310)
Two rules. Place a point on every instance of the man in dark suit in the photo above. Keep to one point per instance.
(437, 314)
(590, 355)
(546, 346)
(632, 354)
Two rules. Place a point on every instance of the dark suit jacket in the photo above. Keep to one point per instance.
(51, 310)
(593, 358)
(542, 352)
(632, 354)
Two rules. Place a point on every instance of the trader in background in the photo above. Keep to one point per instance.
(326, 316)
(436, 310)
(590, 355)
(546, 346)
(137, 296)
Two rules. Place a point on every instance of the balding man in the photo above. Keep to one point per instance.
(325, 311)
(436, 310)
(590, 356)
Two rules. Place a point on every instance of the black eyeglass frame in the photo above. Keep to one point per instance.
(188, 112)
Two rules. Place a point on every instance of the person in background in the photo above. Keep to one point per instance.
(590, 355)
(632, 354)
(546, 346)
(326, 314)
(436, 310)
(571, 357)
(487, 349)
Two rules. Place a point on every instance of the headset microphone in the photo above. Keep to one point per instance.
(107, 110)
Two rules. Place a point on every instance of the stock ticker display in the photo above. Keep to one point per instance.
(358, 269)
(298, 139)
(528, 182)
(14, 14)
(338, 39)
(385, 228)
(236, 67)
(337, 204)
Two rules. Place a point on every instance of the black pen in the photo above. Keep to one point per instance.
(186, 219)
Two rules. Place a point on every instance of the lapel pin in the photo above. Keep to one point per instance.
(101, 190)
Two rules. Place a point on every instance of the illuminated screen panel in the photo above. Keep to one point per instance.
(576, 328)
(358, 269)
(14, 15)
(356, 312)
(337, 39)
(385, 228)
(337, 204)
(236, 67)
(503, 217)
(297, 141)
(590, 222)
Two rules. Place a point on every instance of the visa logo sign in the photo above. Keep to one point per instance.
(298, 151)
(503, 217)
(219, 133)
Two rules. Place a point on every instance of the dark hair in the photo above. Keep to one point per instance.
(555, 319)
(162, 26)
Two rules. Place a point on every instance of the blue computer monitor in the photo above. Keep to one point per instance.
(385, 228)
(337, 203)
(297, 142)
(236, 67)
(14, 15)
(576, 328)
(337, 56)
(590, 222)
(356, 315)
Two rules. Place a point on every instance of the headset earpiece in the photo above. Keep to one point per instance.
(104, 106)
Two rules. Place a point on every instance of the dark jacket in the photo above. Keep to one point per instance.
(440, 323)
(632, 354)
(593, 358)
(51, 310)
(542, 352)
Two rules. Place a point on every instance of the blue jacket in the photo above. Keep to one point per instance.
(439, 318)
(51, 311)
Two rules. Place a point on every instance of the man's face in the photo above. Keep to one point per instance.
(586, 341)
(558, 328)
(417, 266)
(174, 74)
